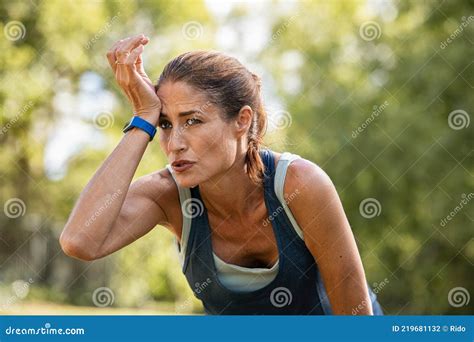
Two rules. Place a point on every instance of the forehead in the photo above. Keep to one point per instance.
(177, 95)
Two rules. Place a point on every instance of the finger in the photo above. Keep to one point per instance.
(111, 54)
(126, 71)
(133, 43)
(126, 47)
(139, 65)
(133, 57)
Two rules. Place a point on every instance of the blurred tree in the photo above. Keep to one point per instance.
(373, 91)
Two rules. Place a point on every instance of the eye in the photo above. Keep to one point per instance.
(163, 124)
(191, 121)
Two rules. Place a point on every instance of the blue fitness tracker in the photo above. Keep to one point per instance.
(142, 124)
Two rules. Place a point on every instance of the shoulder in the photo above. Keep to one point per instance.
(160, 187)
(307, 179)
(314, 201)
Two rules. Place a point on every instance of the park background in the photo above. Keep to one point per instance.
(378, 93)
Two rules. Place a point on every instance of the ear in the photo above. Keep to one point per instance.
(244, 120)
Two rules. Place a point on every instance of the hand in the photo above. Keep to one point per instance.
(125, 59)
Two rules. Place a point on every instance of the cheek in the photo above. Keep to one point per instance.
(163, 139)
(220, 139)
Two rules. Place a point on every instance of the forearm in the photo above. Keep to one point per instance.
(350, 295)
(100, 202)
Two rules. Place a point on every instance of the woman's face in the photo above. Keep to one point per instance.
(191, 128)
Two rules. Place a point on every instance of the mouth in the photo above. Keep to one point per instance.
(182, 166)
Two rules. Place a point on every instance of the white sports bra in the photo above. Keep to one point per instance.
(235, 277)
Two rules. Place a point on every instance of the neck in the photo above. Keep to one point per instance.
(231, 194)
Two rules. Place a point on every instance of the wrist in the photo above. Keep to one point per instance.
(141, 123)
(151, 116)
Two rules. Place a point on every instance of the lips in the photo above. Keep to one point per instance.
(182, 165)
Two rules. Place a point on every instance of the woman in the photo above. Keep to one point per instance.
(258, 232)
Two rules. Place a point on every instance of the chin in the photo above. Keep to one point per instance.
(186, 182)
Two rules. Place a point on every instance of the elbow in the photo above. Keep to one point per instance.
(75, 249)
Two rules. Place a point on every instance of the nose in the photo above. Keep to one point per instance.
(176, 141)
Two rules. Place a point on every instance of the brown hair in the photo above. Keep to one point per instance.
(230, 86)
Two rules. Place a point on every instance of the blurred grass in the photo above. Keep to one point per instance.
(47, 308)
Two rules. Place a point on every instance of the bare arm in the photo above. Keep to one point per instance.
(328, 236)
(110, 213)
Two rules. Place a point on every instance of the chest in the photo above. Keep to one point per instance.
(247, 243)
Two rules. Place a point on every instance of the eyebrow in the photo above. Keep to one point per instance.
(189, 112)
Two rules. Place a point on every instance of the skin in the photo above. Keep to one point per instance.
(236, 206)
